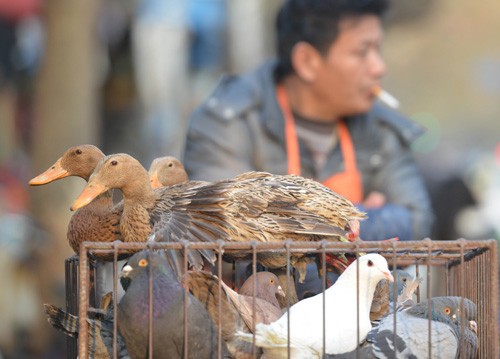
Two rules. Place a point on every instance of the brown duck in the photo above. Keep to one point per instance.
(167, 171)
(100, 220)
(253, 206)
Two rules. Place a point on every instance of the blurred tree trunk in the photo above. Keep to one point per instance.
(66, 100)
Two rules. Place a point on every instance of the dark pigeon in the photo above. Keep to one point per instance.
(167, 313)
(384, 293)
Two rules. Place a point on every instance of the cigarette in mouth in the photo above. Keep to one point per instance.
(386, 97)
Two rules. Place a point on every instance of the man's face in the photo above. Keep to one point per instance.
(352, 67)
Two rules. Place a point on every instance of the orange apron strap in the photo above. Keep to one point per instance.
(348, 183)
(347, 147)
(292, 144)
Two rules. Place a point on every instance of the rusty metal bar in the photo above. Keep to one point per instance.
(83, 303)
(150, 305)
(71, 275)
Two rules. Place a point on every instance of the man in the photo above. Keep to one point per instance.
(313, 112)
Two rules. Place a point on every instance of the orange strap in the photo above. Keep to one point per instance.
(346, 146)
(292, 144)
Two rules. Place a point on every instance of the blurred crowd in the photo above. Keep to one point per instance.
(156, 60)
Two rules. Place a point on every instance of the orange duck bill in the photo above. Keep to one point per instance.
(155, 182)
(55, 172)
(91, 191)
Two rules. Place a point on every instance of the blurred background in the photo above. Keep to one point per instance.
(124, 75)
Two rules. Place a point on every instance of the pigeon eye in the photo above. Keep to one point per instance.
(114, 163)
(78, 152)
(143, 262)
(272, 281)
(170, 164)
(370, 263)
(404, 279)
(447, 311)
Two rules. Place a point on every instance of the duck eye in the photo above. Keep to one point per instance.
(114, 162)
(370, 263)
(170, 164)
(143, 262)
(447, 311)
(78, 152)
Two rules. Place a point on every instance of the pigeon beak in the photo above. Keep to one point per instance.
(388, 276)
(473, 326)
(55, 172)
(281, 292)
(126, 270)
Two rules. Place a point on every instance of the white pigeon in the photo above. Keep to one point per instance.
(306, 316)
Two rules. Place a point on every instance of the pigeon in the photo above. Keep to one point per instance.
(252, 206)
(267, 287)
(236, 309)
(343, 327)
(168, 300)
(385, 291)
(412, 332)
(100, 330)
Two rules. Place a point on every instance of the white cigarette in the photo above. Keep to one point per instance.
(386, 97)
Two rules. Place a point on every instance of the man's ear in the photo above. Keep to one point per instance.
(305, 61)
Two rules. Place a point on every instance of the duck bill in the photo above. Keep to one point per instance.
(90, 192)
(155, 182)
(55, 172)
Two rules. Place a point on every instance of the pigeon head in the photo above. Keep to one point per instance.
(140, 264)
(445, 309)
(372, 267)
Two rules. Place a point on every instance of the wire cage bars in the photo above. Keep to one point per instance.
(462, 268)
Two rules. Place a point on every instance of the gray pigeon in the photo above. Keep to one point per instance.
(412, 332)
(267, 288)
(167, 313)
(384, 293)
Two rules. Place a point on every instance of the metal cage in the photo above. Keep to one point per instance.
(462, 267)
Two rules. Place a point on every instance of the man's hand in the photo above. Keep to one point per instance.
(374, 200)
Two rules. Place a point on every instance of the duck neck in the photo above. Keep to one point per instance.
(137, 203)
(138, 192)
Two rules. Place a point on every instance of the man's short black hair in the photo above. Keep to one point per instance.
(317, 23)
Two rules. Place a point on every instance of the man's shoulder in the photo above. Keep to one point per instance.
(407, 129)
(235, 95)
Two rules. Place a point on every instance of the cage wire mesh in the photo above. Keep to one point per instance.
(463, 268)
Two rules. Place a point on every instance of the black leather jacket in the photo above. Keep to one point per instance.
(241, 128)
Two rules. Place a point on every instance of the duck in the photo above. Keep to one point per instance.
(167, 171)
(253, 206)
(100, 220)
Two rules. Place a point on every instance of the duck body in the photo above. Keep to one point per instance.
(253, 206)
